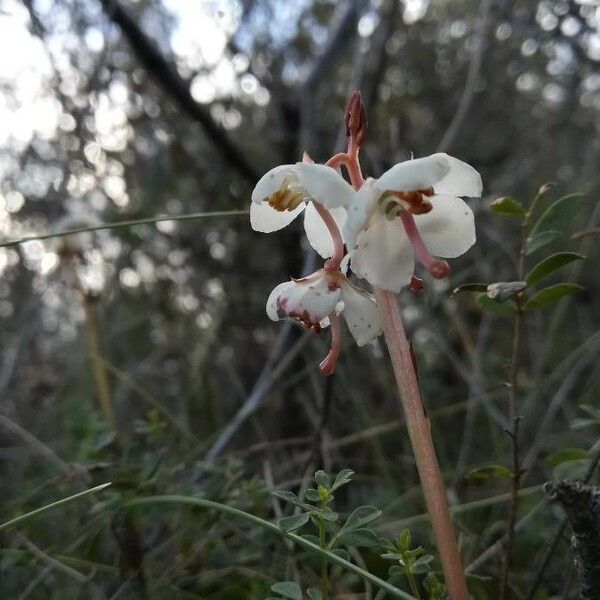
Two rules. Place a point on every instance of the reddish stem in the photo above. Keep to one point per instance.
(328, 364)
(333, 264)
(419, 432)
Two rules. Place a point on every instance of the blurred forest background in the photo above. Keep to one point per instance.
(142, 355)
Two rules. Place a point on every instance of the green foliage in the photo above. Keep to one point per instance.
(551, 224)
(488, 472)
(413, 562)
(548, 265)
(508, 206)
(550, 295)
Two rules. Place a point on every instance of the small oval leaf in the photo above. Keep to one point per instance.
(508, 206)
(294, 522)
(488, 471)
(550, 264)
(470, 287)
(551, 294)
(567, 455)
(289, 590)
(558, 213)
(501, 308)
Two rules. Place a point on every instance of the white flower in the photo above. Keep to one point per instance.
(285, 191)
(313, 299)
(412, 209)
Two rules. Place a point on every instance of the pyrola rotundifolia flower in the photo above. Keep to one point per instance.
(312, 300)
(285, 191)
(412, 209)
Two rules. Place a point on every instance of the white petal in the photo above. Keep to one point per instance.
(316, 231)
(272, 181)
(324, 185)
(448, 230)
(461, 180)
(265, 219)
(272, 310)
(384, 256)
(359, 212)
(309, 300)
(361, 314)
(417, 174)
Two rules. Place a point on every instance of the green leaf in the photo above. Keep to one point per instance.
(488, 471)
(553, 220)
(322, 479)
(293, 522)
(470, 287)
(292, 499)
(342, 478)
(404, 540)
(571, 469)
(567, 455)
(421, 565)
(314, 594)
(503, 290)
(360, 537)
(290, 590)
(551, 264)
(593, 411)
(360, 517)
(540, 240)
(326, 514)
(508, 206)
(581, 423)
(312, 495)
(551, 294)
(500, 308)
(559, 213)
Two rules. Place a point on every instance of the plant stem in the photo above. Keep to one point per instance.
(514, 418)
(324, 571)
(422, 444)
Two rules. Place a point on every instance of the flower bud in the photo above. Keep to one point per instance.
(355, 117)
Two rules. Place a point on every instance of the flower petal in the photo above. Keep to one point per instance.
(383, 255)
(359, 212)
(416, 174)
(272, 181)
(461, 180)
(316, 231)
(266, 219)
(324, 185)
(361, 314)
(448, 230)
(308, 300)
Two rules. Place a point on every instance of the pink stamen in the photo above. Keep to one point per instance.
(333, 264)
(328, 364)
(438, 268)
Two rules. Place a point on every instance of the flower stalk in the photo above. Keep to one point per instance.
(417, 422)
(422, 444)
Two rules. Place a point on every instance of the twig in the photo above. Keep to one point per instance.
(166, 75)
(514, 419)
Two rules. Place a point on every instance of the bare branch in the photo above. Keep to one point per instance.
(166, 76)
